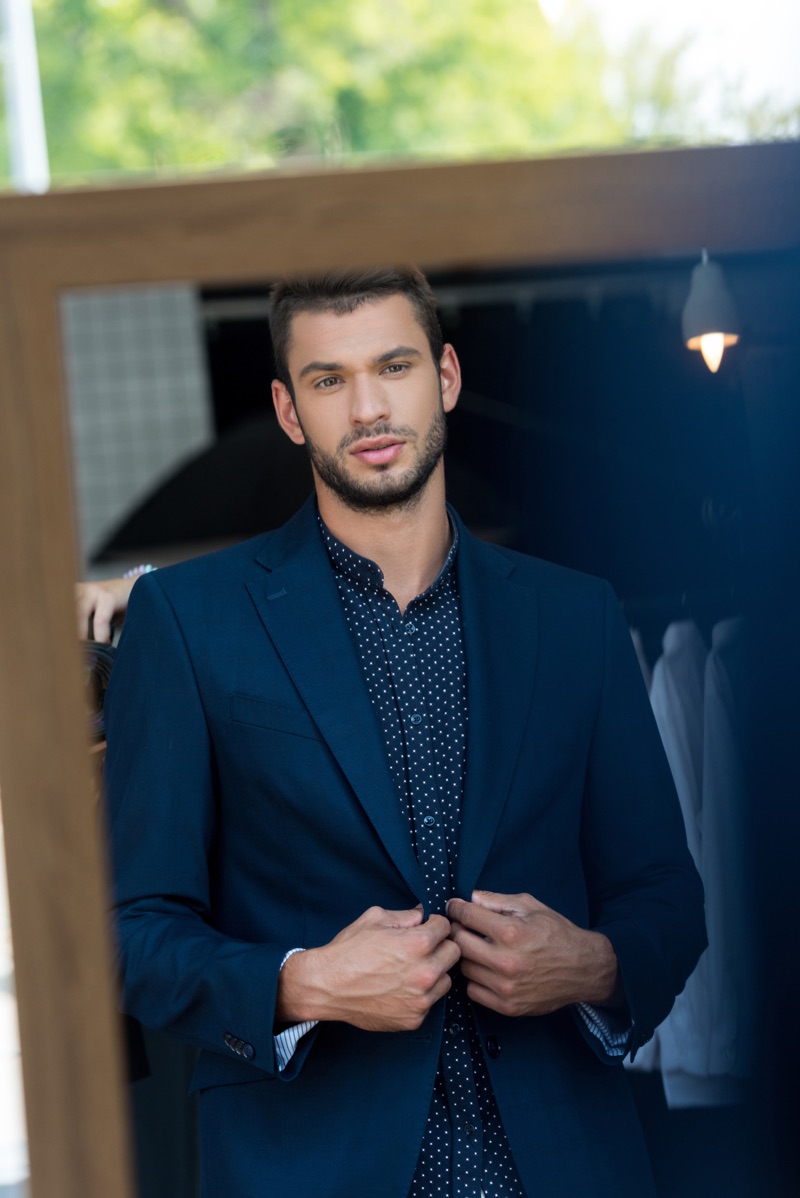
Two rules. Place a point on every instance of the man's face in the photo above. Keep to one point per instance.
(370, 402)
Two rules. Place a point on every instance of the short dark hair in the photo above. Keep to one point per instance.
(342, 291)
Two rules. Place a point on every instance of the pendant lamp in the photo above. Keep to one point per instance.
(710, 321)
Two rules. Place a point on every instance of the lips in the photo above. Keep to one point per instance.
(378, 451)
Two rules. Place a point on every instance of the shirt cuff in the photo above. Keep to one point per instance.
(286, 1042)
(611, 1030)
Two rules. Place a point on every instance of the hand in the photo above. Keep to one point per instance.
(522, 958)
(382, 973)
(97, 603)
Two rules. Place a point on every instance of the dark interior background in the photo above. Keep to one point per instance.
(586, 433)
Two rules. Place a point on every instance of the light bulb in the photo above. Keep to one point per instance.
(711, 347)
(709, 320)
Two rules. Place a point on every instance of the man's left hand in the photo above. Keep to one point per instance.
(522, 958)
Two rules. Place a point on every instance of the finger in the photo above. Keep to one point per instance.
(84, 607)
(480, 975)
(103, 612)
(472, 947)
(446, 955)
(380, 917)
(441, 988)
(486, 998)
(474, 917)
(438, 928)
(506, 904)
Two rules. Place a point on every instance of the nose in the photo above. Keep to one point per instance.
(369, 401)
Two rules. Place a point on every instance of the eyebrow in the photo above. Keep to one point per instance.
(325, 367)
(389, 355)
(399, 351)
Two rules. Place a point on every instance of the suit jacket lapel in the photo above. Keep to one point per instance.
(298, 601)
(500, 635)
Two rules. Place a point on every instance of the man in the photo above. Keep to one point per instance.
(429, 763)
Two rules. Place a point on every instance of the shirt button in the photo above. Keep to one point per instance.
(428, 821)
(469, 1130)
(492, 1047)
(454, 1029)
(410, 627)
(416, 719)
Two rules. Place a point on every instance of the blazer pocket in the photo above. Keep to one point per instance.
(214, 1070)
(246, 709)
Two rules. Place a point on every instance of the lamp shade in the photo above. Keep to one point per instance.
(710, 321)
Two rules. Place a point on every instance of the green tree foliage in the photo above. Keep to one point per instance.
(646, 85)
(154, 85)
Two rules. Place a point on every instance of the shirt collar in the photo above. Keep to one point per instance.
(367, 574)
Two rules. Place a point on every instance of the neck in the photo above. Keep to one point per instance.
(409, 544)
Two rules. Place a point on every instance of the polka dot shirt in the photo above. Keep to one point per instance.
(415, 671)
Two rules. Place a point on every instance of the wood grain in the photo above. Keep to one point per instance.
(57, 888)
(579, 209)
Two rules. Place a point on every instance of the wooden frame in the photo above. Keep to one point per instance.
(612, 207)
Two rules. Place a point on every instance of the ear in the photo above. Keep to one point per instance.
(285, 411)
(450, 376)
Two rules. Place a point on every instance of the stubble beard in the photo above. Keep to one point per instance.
(383, 491)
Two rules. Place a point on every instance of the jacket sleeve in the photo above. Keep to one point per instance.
(645, 893)
(178, 972)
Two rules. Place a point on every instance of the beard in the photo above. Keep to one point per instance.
(383, 491)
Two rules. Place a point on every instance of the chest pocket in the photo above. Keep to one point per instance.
(260, 713)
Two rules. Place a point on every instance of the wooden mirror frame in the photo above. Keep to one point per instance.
(566, 210)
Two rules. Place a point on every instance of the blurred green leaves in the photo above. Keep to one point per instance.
(143, 86)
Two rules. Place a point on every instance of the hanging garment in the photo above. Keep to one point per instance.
(641, 657)
(677, 697)
(724, 863)
(646, 1060)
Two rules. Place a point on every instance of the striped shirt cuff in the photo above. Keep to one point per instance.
(611, 1030)
(286, 1041)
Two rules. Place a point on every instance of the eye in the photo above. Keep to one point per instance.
(325, 384)
(395, 368)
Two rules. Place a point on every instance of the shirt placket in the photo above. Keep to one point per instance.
(416, 647)
(435, 845)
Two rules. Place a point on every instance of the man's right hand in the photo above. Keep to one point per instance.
(382, 973)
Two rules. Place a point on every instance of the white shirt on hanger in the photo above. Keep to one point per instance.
(677, 697)
(724, 862)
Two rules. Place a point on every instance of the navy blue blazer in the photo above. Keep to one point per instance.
(252, 811)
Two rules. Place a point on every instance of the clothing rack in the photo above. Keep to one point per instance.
(651, 614)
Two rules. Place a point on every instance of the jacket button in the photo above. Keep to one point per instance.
(248, 1051)
(492, 1047)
